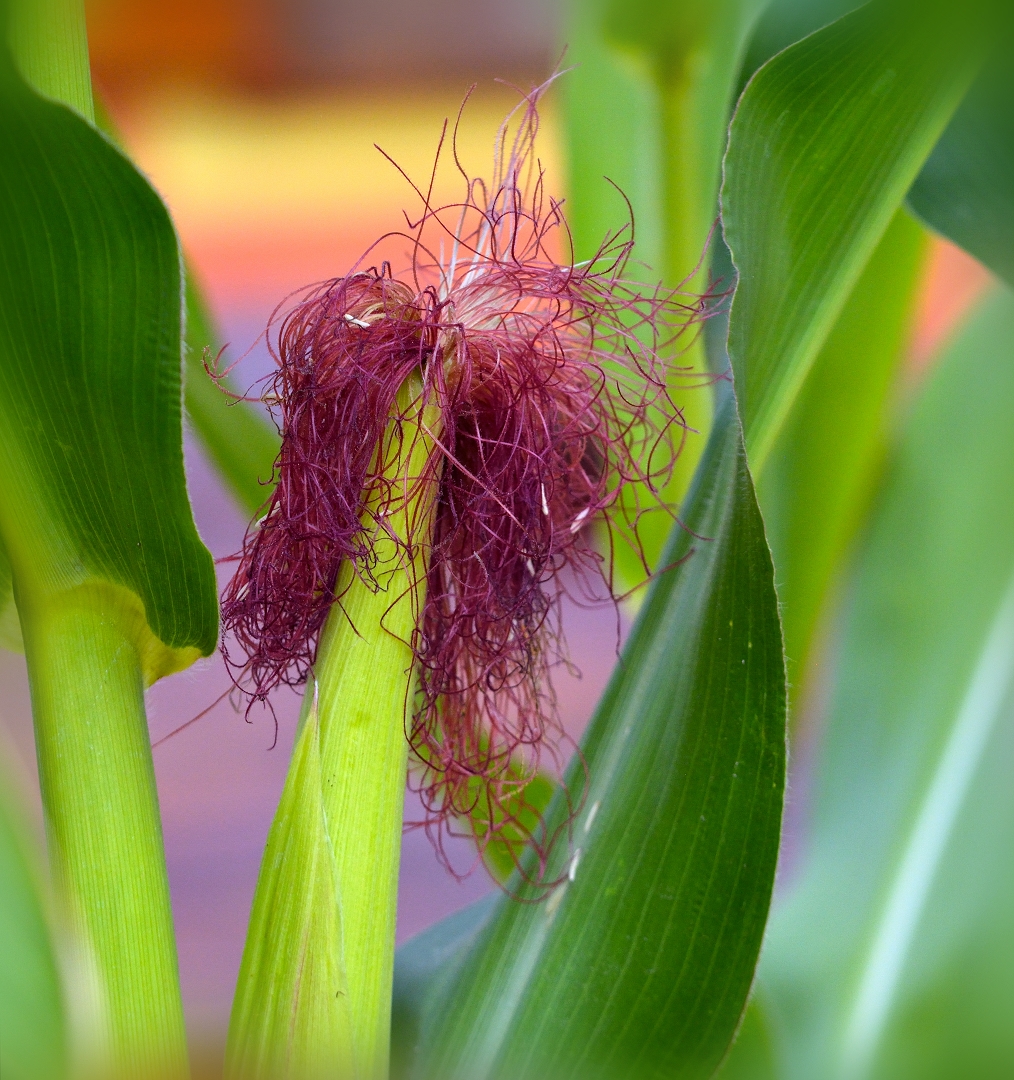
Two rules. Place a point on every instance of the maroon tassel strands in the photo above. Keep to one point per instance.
(547, 406)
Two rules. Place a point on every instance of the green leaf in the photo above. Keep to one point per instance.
(894, 954)
(113, 586)
(640, 960)
(74, 80)
(242, 444)
(966, 188)
(816, 486)
(825, 143)
(93, 490)
(33, 1036)
(783, 23)
(291, 1015)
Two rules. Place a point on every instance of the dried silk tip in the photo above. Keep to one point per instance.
(548, 383)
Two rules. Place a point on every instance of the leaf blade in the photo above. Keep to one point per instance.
(578, 983)
(965, 190)
(242, 445)
(90, 382)
(824, 144)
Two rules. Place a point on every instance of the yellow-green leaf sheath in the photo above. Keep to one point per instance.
(291, 1015)
(358, 702)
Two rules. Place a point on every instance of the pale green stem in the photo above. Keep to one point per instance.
(49, 41)
(105, 836)
(689, 195)
(696, 77)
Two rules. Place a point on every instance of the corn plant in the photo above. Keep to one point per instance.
(686, 381)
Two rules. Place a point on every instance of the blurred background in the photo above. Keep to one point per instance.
(256, 120)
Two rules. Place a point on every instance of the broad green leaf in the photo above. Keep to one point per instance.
(639, 961)
(816, 485)
(53, 57)
(93, 492)
(825, 142)
(291, 1015)
(783, 23)
(966, 188)
(242, 444)
(33, 1035)
(893, 956)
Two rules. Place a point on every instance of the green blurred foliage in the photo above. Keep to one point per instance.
(892, 956)
(817, 484)
(966, 189)
(33, 1025)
